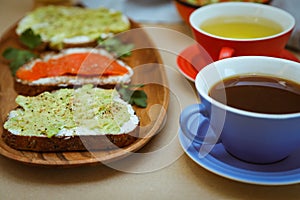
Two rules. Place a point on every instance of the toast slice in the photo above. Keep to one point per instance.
(86, 118)
(69, 68)
(64, 26)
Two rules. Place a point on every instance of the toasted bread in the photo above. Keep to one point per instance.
(69, 143)
(80, 119)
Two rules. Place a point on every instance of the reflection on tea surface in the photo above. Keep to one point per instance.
(257, 93)
(241, 27)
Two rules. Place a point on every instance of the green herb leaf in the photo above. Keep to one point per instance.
(133, 96)
(30, 39)
(17, 57)
(115, 46)
(139, 98)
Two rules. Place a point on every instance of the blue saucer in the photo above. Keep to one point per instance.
(220, 162)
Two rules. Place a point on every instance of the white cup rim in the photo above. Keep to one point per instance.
(195, 14)
(204, 94)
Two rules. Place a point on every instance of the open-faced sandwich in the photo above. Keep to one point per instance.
(71, 67)
(86, 118)
(61, 27)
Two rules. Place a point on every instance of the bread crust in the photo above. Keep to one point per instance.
(33, 90)
(45, 46)
(69, 143)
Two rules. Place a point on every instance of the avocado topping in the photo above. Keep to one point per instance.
(87, 108)
(56, 23)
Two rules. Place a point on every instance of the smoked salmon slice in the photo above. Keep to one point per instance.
(74, 64)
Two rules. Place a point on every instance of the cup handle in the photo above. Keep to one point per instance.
(226, 52)
(195, 125)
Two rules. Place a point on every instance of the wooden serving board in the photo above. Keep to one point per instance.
(146, 62)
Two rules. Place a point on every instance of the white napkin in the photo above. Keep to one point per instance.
(293, 7)
(151, 11)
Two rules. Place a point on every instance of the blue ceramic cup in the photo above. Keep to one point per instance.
(249, 136)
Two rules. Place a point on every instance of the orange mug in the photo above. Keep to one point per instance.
(220, 47)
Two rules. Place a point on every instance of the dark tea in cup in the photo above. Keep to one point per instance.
(258, 93)
(259, 121)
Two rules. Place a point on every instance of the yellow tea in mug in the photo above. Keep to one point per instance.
(241, 27)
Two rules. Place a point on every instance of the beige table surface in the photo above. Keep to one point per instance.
(161, 171)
